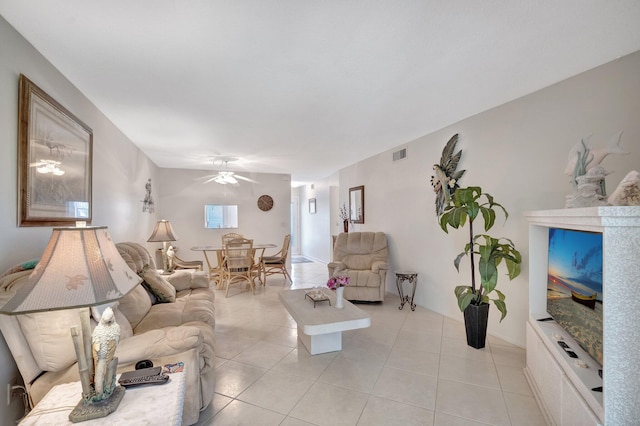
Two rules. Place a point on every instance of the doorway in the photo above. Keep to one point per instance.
(295, 225)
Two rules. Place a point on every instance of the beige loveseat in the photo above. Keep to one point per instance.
(165, 333)
(362, 256)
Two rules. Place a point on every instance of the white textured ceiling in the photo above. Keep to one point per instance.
(308, 86)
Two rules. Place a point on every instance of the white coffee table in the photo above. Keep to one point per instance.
(320, 328)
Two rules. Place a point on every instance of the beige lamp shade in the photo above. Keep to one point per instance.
(162, 232)
(79, 267)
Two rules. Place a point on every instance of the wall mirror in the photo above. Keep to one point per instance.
(356, 204)
(220, 216)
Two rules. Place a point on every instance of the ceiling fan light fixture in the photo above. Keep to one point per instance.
(226, 176)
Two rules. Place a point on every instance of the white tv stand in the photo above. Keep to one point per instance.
(562, 387)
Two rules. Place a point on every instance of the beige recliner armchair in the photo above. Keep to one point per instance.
(362, 256)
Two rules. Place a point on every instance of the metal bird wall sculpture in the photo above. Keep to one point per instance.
(445, 179)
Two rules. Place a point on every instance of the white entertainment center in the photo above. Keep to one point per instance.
(563, 385)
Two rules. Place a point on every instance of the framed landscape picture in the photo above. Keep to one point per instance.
(54, 161)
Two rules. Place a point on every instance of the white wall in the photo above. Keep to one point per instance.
(316, 229)
(516, 152)
(120, 172)
(183, 196)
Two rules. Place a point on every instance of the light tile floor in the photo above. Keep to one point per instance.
(408, 368)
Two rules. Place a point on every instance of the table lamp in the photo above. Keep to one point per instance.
(163, 233)
(82, 267)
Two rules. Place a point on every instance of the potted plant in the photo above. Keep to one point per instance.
(467, 204)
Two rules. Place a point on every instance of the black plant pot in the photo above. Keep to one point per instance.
(475, 322)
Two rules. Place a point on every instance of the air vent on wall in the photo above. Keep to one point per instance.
(400, 155)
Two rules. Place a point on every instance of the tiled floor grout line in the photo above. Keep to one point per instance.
(435, 405)
(448, 332)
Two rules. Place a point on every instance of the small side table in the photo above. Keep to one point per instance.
(149, 404)
(412, 277)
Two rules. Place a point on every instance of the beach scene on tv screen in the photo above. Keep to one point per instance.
(574, 286)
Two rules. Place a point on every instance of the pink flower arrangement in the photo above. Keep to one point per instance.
(339, 281)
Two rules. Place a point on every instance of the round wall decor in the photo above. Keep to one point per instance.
(265, 203)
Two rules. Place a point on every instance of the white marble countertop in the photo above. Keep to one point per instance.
(141, 405)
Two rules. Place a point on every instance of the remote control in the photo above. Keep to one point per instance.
(158, 379)
(143, 376)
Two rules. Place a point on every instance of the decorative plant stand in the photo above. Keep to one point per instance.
(412, 277)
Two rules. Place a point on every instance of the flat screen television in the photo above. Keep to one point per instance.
(574, 286)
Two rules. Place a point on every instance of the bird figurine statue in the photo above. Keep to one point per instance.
(445, 179)
(104, 341)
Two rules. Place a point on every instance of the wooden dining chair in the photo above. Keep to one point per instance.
(277, 263)
(256, 271)
(178, 263)
(238, 263)
(225, 238)
(216, 271)
(230, 236)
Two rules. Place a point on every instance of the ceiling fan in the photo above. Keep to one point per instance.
(225, 176)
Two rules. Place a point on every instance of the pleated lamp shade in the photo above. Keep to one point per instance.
(162, 232)
(79, 267)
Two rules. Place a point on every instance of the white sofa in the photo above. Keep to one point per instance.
(362, 256)
(165, 333)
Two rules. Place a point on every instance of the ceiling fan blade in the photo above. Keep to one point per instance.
(245, 178)
(224, 177)
(207, 176)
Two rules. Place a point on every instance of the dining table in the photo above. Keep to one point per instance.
(216, 271)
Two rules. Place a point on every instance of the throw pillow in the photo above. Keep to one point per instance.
(24, 266)
(49, 337)
(135, 305)
(158, 285)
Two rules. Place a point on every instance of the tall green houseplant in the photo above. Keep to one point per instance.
(466, 205)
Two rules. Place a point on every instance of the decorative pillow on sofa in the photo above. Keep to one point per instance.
(135, 305)
(158, 285)
(24, 266)
(49, 337)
